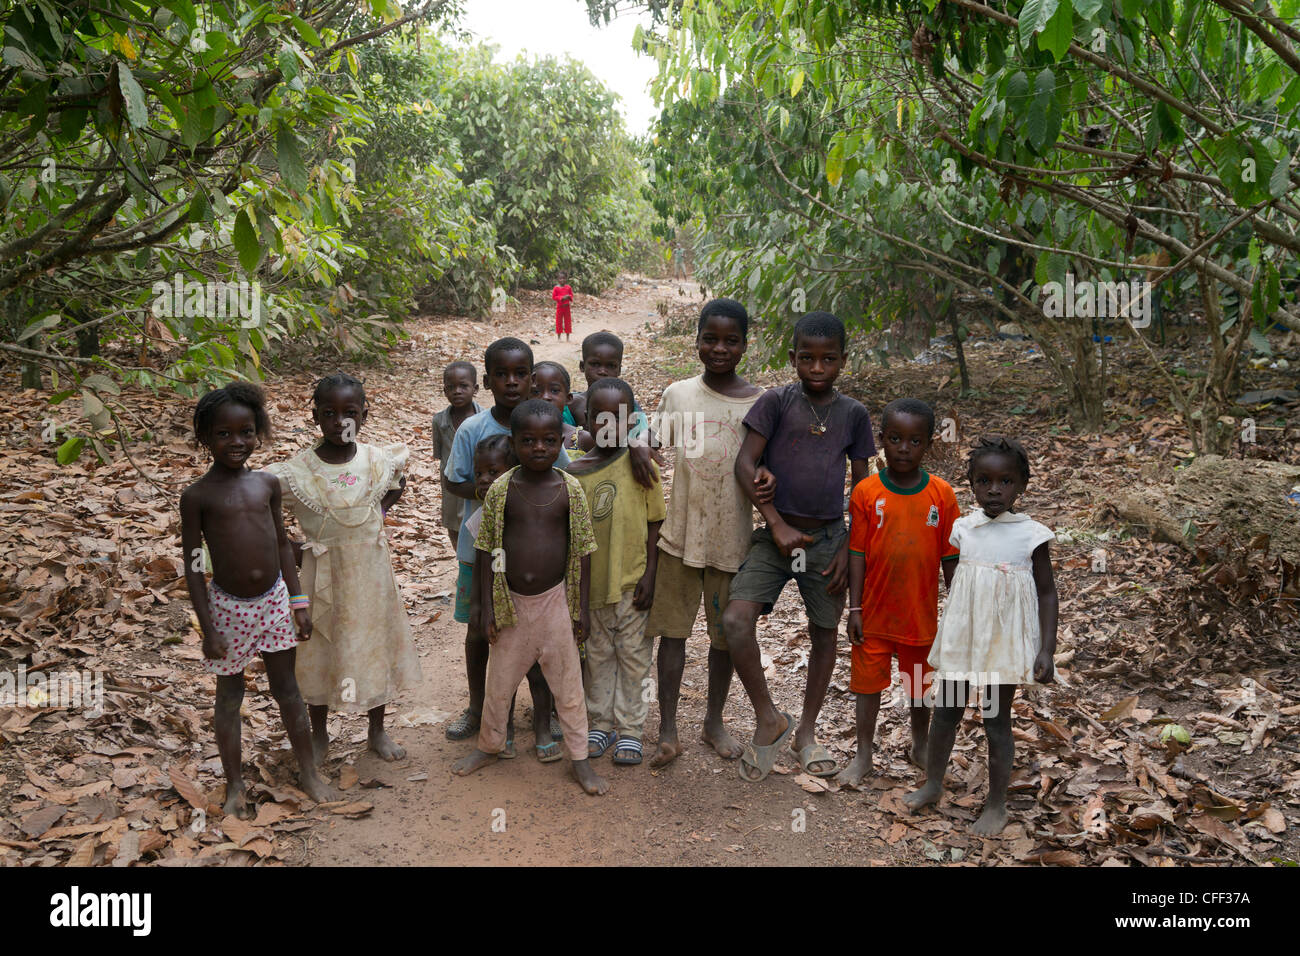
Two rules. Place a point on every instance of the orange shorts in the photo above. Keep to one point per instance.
(870, 673)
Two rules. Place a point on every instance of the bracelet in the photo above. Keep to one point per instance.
(855, 609)
(297, 601)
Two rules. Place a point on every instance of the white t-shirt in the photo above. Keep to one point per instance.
(709, 519)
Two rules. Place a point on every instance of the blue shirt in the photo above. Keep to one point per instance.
(459, 466)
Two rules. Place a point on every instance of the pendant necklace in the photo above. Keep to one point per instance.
(818, 427)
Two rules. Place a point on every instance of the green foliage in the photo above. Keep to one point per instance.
(837, 150)
(564, 173)
(186, 190)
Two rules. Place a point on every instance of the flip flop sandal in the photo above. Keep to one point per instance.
(598, 741)
(508, 752)
(757, 760)
(627, 752)
(465, 726)
(815, 753)
(549, 753)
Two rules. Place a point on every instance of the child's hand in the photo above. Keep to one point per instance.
(642, 471)
(644, 594)
(764, 484)
(837, 574)
(1044, 668)
(215, 646)
(855, 627)
(787, 538)
(302, 617)
(489, 618)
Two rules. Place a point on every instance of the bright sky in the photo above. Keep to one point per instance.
(556, 27)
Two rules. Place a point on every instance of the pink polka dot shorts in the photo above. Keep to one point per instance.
(251, 626)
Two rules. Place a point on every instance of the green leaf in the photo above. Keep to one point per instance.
(290, 160)
(70, 450)
(796, 83)
(100, 382)
(835, 163)
(38, 326)
(1059, 32)
(305, 30)
(1279, 184)
(1033, 18)
(1088, 8)
(136, 111)
(245, 239)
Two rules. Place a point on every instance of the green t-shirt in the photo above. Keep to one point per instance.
(620, 511)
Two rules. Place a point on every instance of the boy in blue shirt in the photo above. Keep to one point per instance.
(803, 432)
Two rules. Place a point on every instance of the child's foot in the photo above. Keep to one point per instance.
(859, 768)
(917, 753)
(236, 804)
(475, 761)
(718, 737)
(991, 821)
(314, 786)
(669, 749)
(383, 745)
(588, 779)
(320, 745)
(923, 797)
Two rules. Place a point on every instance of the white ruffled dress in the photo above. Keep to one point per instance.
(989, 632)
(361, 653)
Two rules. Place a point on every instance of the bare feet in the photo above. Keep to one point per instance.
(320, 745)
(314, 786)
(475, 761)
(588, 779)
(720, 739)
(991, 821)
(236, 804)
(859, 768)
(917, 754)
(669, 748)
(923, 797)
(384, 745)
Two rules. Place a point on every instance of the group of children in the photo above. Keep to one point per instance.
(571, 563)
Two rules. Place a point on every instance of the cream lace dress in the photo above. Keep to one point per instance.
(361, 653)
(989, 632)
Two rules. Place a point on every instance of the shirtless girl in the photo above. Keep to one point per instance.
(246, 608)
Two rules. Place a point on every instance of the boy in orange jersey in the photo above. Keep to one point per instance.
(900, 520)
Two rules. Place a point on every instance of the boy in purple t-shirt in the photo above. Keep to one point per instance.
(803, 432)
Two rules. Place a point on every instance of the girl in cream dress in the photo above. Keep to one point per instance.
(361, 653)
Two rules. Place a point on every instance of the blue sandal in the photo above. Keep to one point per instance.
(549, 753)
(598, 741)
(627, 752)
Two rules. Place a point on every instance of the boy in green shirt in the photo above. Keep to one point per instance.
(626, 518)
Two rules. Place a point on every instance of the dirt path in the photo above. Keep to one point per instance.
(521, 811)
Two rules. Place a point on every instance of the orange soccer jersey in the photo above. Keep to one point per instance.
(903, 534)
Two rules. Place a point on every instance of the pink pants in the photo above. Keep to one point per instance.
(543, 635)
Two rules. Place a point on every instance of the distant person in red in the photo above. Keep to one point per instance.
(563, 296)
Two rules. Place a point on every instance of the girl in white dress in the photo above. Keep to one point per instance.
(339, 490)
(999, 622)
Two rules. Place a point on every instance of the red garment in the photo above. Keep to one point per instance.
(563, 317)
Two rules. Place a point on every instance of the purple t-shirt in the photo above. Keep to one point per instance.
(810, 467)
